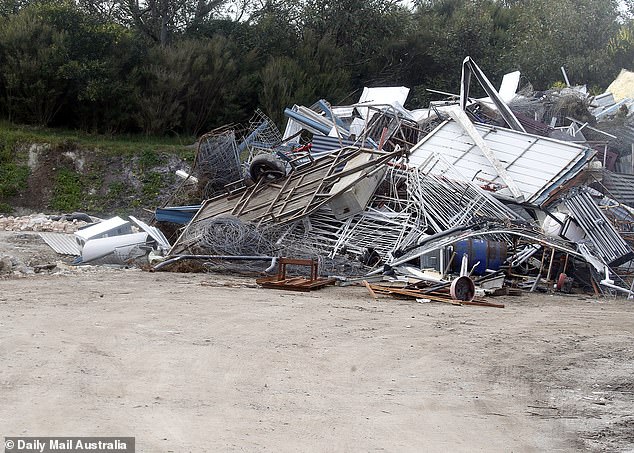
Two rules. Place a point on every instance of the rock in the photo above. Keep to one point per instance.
(6, 267)
(40, 222)
(23, 269)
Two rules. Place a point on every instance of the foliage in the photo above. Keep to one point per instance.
(68, 191)
(159, 20)
(148, 159)
(570, 33)
(34, 54)
(62, 66)
(13, 173)
(182, 67)
(11, 135)
(211, 70)
(13, 178)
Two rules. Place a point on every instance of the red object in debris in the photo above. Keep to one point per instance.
(303, 148)
(561, 281)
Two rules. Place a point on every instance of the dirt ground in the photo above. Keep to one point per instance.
(205, 363)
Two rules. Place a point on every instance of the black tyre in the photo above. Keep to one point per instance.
(268, 167)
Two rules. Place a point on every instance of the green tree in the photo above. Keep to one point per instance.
(449, 30)
(621, 46)
(211, 72)
(363, 30)
(34, 55)
(9, 7)
(570, 33)
(159, 20)
(106, 83)
(159, 101)
(63, 66)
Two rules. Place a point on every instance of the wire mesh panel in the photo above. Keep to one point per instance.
(262, 137)
(218, 159)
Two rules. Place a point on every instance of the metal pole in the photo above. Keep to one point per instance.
(550, 265)
(178, 258)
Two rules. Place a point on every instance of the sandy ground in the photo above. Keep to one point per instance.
(202, 363)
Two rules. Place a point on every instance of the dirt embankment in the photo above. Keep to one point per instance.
(64, 178)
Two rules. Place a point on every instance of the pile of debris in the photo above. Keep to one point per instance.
(519, 190)
(68, 223)
(113, 241)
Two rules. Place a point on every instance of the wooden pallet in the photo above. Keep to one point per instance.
(280, 281)
(295, 283)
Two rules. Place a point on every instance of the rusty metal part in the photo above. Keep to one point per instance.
(280, 281)
(462, 288)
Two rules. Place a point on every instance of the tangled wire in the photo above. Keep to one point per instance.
(230, 236)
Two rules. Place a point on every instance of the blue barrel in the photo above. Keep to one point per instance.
(490, 254)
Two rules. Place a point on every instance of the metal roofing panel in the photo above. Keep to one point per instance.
(619, 186)
(324, 144)
(62, 243)
(154, 232)
(535, 163)
(176, 214)
(111, 227)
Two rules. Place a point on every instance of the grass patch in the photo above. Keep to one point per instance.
(148, 159)
(152, 184)
(6, 208)
(13, 178)
(12, 134)
(117, 190)
(72, 182)
(68, 191)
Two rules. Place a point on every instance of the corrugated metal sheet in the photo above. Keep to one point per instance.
(324, 144)
(537, 165)
(532, 126)
(605, 239)
(619, 186)
(64, 244)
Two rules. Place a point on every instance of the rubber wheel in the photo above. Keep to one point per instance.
(268, 167)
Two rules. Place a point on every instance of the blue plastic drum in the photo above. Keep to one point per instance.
(490, 254)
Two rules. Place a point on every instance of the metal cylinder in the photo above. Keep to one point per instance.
(489, 254)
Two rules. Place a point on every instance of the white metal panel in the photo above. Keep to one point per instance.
(465, 123)
(379, 96)
(154, 232)
(61, 243)
(509, 85)
(533, 162)
(99, 248)
(111, 227)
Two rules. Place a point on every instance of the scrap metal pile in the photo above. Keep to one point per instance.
(470, 196)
